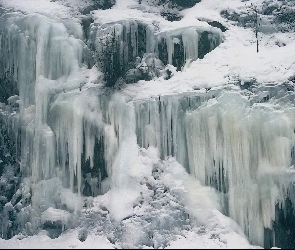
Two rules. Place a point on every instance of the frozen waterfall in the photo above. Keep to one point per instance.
(74, 137)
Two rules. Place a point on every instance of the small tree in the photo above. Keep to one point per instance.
(257, 20)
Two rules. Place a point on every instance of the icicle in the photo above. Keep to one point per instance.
(160, 123)
(151, 41)
(170, 48)
(190, 40)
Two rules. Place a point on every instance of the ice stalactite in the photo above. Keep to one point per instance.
(126, 166)
(27, 41)
(181, 46)
(160, 123)
(73, 130)
(245, 152)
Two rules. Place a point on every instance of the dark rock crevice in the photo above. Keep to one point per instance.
(98, 4)
(282, 234)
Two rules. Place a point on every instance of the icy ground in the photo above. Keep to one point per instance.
(167, 191)
(184, 212)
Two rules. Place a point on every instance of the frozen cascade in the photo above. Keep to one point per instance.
(220, 142)
(85, 143)
(245, 152)
(48, 68)
(44, 58)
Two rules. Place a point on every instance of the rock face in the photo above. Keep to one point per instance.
(169, 9)
(10, 176)
(93, 175)
(8, 88)
(283, 231)
(99, 4)
(179, 4)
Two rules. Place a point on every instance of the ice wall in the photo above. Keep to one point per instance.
(244, 150)
(44, 57)
(72, 131)
(246, 153)
(160, 122)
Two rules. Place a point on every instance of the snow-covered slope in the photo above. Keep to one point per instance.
(234, 60)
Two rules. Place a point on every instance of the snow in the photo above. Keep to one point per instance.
(59, 8)
(212, 230)
(67, 241)
(52, 214)
(193, 240)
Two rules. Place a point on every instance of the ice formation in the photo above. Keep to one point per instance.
(118, 45)
(75, 137)
(245, 153)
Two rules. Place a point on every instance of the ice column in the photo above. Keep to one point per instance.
(45, 58)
